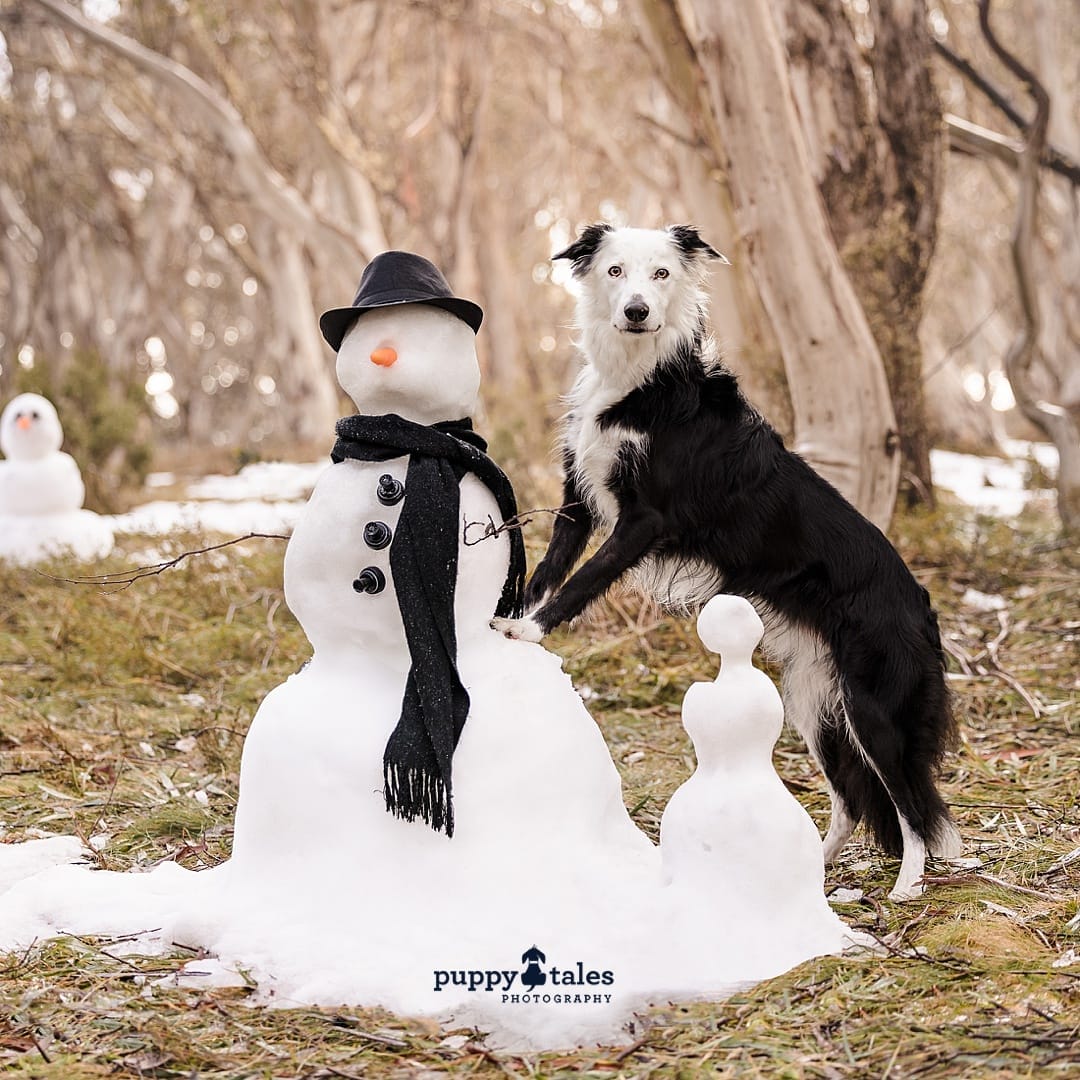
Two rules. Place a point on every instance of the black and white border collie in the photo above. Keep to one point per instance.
(699, 496)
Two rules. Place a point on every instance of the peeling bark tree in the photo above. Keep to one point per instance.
(872, 122)
(1042, 363)
(844, 421)
(739, 322)
(1052, 419)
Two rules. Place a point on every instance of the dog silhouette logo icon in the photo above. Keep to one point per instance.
(533, 976)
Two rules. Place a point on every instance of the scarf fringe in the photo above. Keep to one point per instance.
(512, 602)
(412, 792)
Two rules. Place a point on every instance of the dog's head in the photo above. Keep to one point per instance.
(641, 284)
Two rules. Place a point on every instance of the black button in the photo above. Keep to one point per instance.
(370, 580)
(390, 491)
(377, 534)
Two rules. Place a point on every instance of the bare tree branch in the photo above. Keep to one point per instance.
(968, 138)
(251, 167)
(1051, 157)
(117, 582)
(1050, 418)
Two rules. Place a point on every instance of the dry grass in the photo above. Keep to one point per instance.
(124, 713)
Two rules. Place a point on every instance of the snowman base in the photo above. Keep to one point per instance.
(26, 539)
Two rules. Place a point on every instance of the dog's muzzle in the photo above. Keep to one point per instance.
(635, 313)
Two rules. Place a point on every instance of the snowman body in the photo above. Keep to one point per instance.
(41, 489)
(51, 485)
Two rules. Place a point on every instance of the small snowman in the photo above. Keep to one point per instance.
(37, 477)
(733, 832)
(41, 489)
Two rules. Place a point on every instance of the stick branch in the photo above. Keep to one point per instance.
(1053, 158)
(518, 521)
(120, 580)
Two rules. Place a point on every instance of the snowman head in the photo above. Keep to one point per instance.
(730, 626)
(406, 344)
(413, 360)
(29, 428)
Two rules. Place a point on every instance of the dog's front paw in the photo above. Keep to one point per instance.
(524, 629)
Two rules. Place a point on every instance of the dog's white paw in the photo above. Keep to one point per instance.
(910, 891)
(524, 629)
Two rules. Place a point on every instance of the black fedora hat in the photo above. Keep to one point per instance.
(397, 277)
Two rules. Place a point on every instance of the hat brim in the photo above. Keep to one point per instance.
(336, 322)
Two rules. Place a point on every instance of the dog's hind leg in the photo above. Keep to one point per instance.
(812, 707)
(841, 826)
(946, 843)
(843, 770)
(905, 778)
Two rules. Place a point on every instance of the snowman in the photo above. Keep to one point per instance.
(41, 489)
(770, 876)
(419, 745)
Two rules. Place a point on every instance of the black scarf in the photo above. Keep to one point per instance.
(423, 559)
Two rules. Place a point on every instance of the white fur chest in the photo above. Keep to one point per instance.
(596, 449)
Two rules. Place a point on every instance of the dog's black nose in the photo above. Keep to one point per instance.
(637, 311)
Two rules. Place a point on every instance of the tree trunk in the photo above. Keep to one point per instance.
(844, 421)
(1026, 354)
(876, 154)
(739, 322)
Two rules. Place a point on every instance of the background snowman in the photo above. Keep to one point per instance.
(41, 489)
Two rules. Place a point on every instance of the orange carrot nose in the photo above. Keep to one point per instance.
(384, 357)
(24, 423)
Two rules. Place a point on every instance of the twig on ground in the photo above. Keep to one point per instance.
(1006, 676)
(990, 879)
(959, 655)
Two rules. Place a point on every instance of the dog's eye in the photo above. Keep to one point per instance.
(615, 271)
(661, 274)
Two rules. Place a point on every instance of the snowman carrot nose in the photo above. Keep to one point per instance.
(384, 356)
(24, 423)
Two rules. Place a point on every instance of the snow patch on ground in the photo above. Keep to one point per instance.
(993, 485)
(268, 496)
(265, 497)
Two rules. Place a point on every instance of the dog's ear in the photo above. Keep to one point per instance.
(583, 249)
(691, 246)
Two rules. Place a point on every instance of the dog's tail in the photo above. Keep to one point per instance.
(888, 763)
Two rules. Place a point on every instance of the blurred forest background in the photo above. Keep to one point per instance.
(186, 184)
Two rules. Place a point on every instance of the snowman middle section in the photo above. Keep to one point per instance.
(536, 794)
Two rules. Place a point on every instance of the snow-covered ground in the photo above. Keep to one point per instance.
(265, 497)
(994, 485)
(268, 496)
